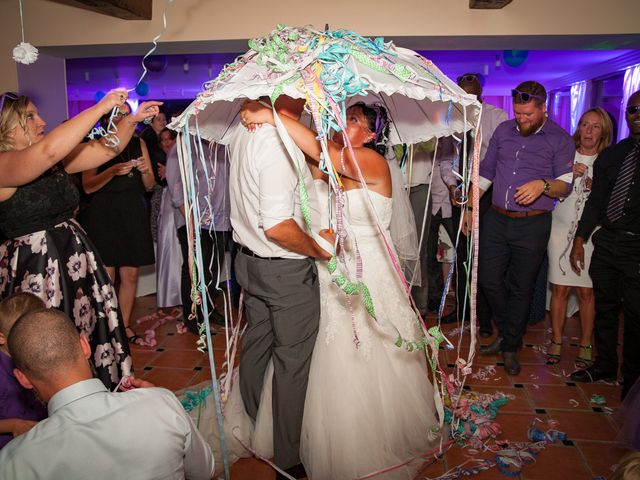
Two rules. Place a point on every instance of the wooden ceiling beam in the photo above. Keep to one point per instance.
(125, 9)
(488, 4)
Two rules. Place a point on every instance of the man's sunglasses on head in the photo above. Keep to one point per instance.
(467, 78)
(524, 96)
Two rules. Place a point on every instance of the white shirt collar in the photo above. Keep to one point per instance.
(74, 392)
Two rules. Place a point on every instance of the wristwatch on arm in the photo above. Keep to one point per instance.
(547, 186)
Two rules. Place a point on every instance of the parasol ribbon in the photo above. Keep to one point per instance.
(185, 159)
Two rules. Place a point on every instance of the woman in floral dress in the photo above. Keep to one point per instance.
(47, 252)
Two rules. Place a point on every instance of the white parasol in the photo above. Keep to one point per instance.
(338, 66)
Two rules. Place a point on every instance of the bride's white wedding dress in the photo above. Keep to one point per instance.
(367, 408)
(371, 407)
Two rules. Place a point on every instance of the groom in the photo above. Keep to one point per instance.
(275, 267)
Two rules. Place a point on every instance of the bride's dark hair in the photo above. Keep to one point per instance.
(378, 123)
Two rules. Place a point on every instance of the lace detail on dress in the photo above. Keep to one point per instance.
(41, 204)
(378, 274)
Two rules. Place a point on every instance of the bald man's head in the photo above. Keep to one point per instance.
(45, 343)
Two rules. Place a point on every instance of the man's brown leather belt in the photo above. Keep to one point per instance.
(518, 214)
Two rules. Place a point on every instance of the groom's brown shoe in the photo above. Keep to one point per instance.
(297, 471)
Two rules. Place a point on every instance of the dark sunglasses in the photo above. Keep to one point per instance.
(468, 77)
(633, 109)
(524, 96)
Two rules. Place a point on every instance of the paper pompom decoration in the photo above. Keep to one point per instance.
(25, 53)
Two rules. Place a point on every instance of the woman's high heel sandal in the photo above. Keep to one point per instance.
(553, 353)
(585, 356)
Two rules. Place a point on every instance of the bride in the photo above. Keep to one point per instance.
(369, 404)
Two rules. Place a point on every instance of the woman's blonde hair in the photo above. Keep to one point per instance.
(628, 468)
(607, 128)
(13, 114)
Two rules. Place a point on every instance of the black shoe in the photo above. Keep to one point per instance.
(451, 318)
(297, 471)
(511, 364)
(592, 374)
(492, 348)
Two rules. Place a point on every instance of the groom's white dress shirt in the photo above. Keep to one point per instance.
(264, 190)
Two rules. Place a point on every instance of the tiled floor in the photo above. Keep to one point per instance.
(540, 392)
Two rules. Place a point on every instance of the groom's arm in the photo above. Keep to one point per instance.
(288, 235)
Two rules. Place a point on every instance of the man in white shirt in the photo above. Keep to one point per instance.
(93, 433)
(417, 175)
(275, 267)
(212, 188)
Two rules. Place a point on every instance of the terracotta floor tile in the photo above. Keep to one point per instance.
(432, 470)
(600, 456)
(478, 359)
(141, 358)
(218, 358)
(584, 425)
(178, 359)
(516, 425)
(202, 375)
(557, 396)
(530, 356)
(460, 457)
(170, 378)
(539, 374)
(186, 341)
(557, 462)
(611, 393)
(499, 380)
(520, 403)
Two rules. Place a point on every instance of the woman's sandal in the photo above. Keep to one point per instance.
(553, 353)
(134, 339)
(585, 356)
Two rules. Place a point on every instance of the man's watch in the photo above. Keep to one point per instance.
(547, 186)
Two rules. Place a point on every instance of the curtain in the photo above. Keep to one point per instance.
(578, 103)
(631, 85)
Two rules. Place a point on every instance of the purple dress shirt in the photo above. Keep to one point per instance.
(513, 160)
(16, 401)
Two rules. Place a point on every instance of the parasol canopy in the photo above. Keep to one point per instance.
(333, 69)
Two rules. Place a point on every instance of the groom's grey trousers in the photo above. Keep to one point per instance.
(282, 305)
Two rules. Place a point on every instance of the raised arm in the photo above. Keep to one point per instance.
(373, 166)
(92, 154)
(18, 167)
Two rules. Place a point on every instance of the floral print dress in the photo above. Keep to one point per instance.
(50, 255)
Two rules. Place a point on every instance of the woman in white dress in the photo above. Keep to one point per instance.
(369, 403)
(592, 136)
(168, 253)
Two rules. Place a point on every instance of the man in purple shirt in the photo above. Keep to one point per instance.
(523, 162)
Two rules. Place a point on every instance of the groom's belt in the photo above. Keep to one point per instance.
(253, 254)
